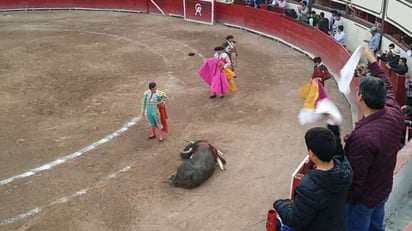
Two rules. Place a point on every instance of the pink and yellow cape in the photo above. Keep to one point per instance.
(316, 104)
(218, 82)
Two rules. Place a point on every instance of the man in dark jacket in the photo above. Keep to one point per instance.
(323, 23)
(389, 55)
(319, 202)
(371, 149)
(392, 58)
(400, 68)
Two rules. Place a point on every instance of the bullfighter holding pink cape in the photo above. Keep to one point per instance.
(212, 73)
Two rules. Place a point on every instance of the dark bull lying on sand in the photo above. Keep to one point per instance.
(201, 158)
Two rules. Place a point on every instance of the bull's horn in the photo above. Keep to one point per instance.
(186, 152)
(189, 141)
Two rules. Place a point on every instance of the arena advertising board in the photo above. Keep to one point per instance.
(200, 11)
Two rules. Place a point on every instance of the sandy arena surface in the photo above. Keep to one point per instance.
(71, 78)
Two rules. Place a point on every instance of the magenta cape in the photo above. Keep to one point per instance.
(214, 77)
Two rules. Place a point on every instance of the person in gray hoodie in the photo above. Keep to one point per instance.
(319, 200)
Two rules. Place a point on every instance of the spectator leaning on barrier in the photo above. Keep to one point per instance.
(281, 4)
(323, 23)
(309, 19)
(303, 10)
(388, 54)
(401, 68)
(332, 19)
(372, 148)
(316, 18)
(373, 43)
(339, 36)
(319, 201)
(338, 22)
(393, 59)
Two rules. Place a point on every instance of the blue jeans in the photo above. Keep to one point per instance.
(362, 218)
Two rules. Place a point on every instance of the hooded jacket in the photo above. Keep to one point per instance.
(319, 199)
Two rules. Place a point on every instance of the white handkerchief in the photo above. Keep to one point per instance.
(347, 71)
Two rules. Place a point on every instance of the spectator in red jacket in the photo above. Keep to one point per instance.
(371, 149)
(320, 70)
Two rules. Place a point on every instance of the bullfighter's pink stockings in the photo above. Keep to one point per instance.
(161, 135)
(152, 133)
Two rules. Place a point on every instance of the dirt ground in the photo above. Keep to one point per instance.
(71, 78)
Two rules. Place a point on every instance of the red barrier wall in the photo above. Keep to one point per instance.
(401, 90)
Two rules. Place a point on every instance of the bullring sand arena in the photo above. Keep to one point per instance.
(74, 149)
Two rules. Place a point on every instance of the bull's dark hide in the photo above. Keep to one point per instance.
(198, 168)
